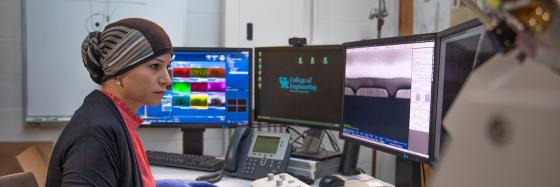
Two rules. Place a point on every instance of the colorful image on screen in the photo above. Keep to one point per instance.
(202, 82)
(199, 87)
(216, 86)
(199, 101)
(181, 72)
(199, 72)
(181, 101)
(217, 72)
(181, 87)
(217, 100)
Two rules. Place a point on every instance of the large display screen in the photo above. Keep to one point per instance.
(389, 88)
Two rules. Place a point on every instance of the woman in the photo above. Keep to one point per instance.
(100, 146)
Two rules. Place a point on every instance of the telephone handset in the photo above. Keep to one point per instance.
(241, 134)
(252, 155)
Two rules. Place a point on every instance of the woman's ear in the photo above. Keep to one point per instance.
(119, 82)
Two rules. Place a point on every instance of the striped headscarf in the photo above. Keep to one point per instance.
(122, 46)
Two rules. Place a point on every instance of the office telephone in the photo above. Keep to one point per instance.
(252, 155)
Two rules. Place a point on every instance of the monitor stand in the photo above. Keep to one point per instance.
(311, 146)
(351, 151)
(193, 141)
(407, 171)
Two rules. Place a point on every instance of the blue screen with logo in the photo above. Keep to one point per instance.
(299, 85)
(209, 87)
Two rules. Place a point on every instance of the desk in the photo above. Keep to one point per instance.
(160, 172)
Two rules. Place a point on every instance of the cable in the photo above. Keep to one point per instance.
(297, 138)
(300, 135)
(295, 130)
(423, 175)
(294, 140)
(336, 147)
(333, 142)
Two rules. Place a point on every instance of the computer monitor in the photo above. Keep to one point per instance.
(300, 86)
(389, 95)
(210, 88)
(460, 50)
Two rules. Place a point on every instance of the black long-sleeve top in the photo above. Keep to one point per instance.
(94, 148)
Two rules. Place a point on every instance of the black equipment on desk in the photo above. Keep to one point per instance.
(252, 155)
(188, 161)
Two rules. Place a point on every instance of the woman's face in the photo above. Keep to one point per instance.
(146, 83)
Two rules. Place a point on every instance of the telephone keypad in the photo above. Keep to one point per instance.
(251, 165)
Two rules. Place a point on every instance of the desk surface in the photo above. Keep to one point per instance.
(160, 172)
(175, 173)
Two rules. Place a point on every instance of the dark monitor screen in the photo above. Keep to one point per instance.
(462, 49)
(299, 85)
(388, 93)
(210, 87)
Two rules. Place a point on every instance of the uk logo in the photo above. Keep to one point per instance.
(284, 83)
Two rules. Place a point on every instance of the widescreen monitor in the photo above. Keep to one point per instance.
(388, 96)
(210, 88)
(299, 85)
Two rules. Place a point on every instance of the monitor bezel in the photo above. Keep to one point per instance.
(256, 98)
(434, 130)
(455, 30)
(458, 28)
(213, 125)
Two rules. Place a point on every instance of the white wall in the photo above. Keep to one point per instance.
(337, 22)
(431, 16)
(203, 23)
(320, 21)
(273, 21)
(11, 83)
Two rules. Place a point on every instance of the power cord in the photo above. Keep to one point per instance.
(333, 141)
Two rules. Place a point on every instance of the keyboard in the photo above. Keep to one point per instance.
(188, 161)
